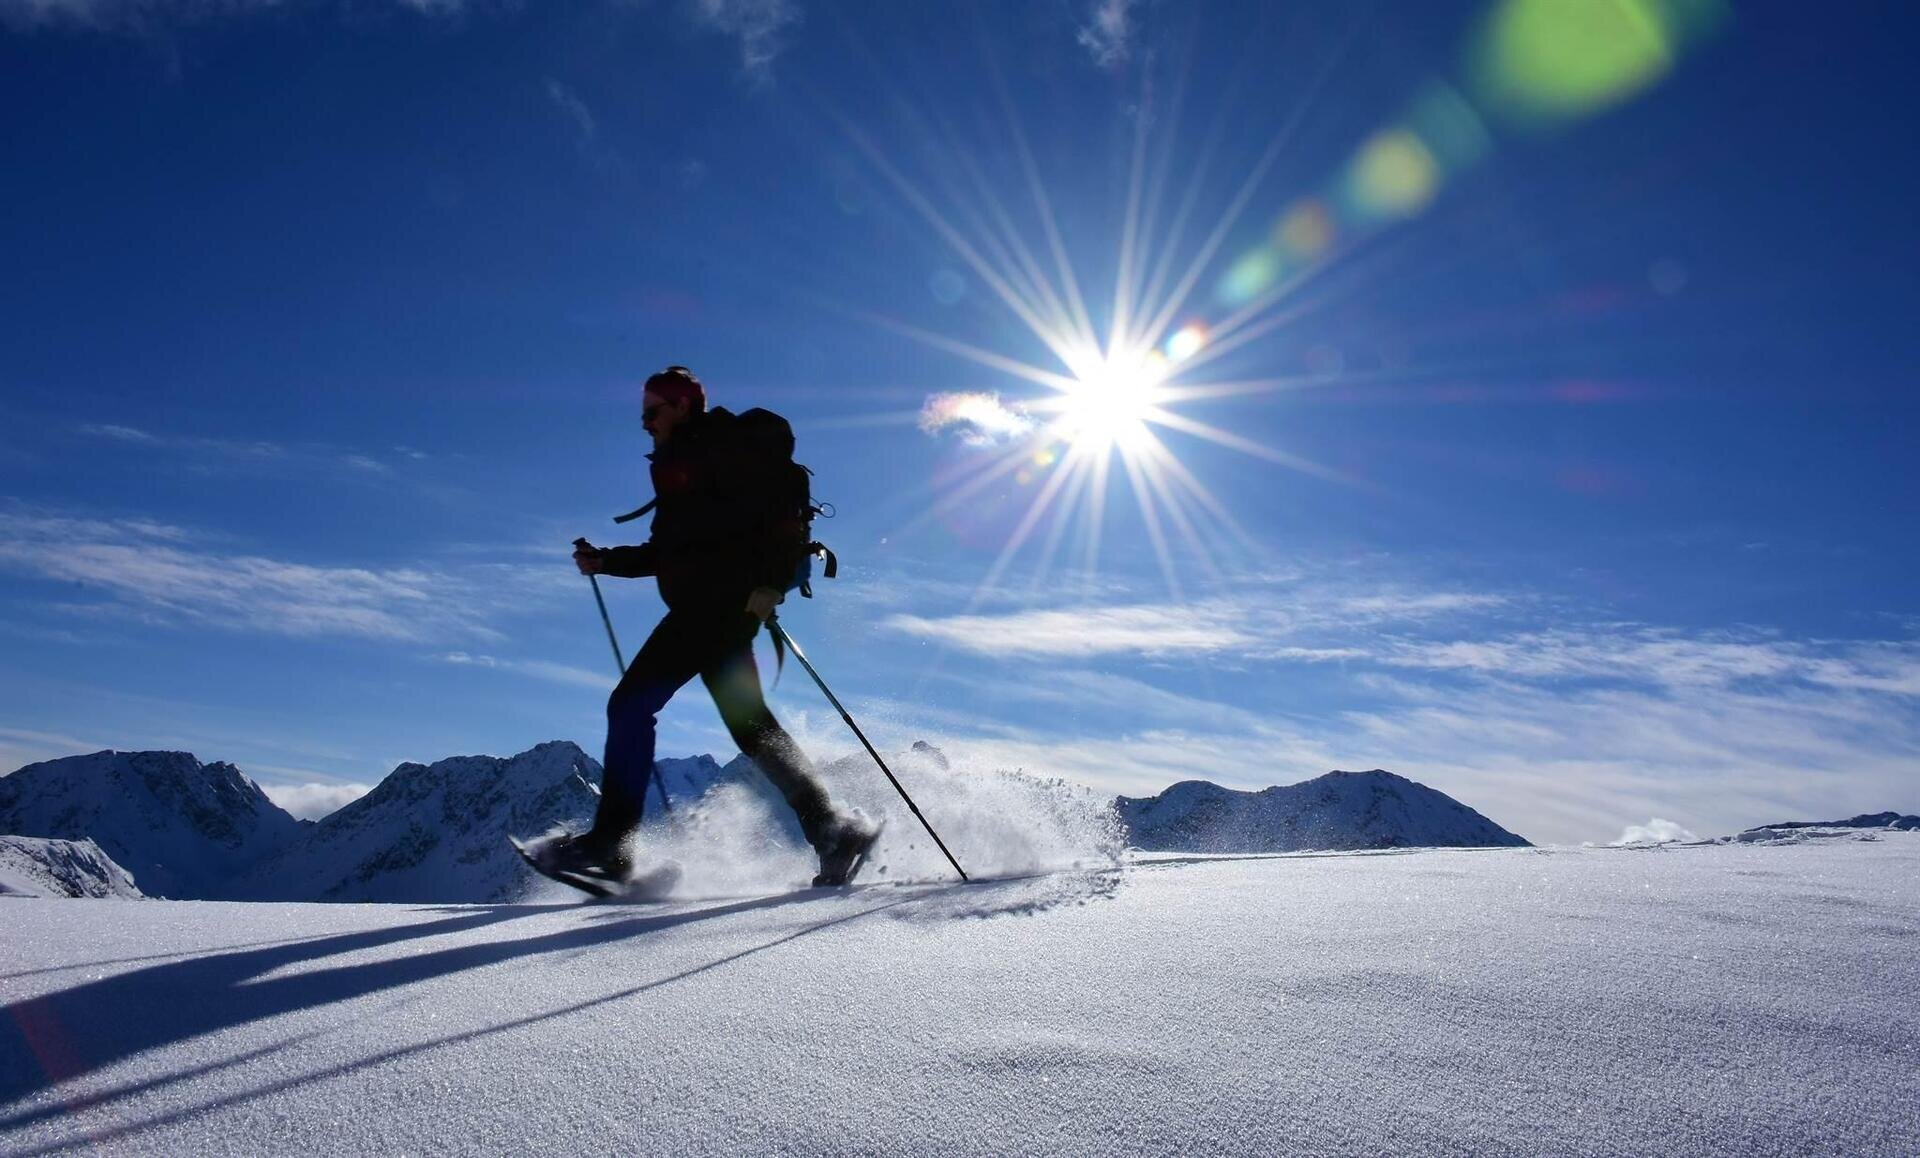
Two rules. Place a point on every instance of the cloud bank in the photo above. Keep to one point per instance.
(314, 801)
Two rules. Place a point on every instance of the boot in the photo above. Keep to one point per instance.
(588, 854)
(845, 851)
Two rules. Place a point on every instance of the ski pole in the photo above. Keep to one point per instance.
(773, 626)
(621, 662)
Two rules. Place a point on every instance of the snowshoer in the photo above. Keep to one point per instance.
(723, 560)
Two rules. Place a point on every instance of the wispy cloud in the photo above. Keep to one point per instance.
(22, 746)
(1670, 658)
(1555, 732)
(761, 27)
(981, 419)
(1108, 32)
(1262, 620)
(540, 669)
(1554, 764)
(586, 129)
(166, 576)
(1081, 632)
(245, 454)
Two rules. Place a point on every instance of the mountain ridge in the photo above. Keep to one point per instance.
(182, 828)
(1338, 810)
(433, 833)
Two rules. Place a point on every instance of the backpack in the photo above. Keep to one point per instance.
(759, 451)
(783, 490)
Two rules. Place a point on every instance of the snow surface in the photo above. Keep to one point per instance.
(30, 867)
(1729, 998)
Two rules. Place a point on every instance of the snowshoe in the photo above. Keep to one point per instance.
(846, 853)
(594, 869)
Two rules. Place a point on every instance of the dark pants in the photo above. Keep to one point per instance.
(715, 644)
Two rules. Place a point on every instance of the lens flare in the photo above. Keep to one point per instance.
(1249, 277)
(1394, 175)
(1108, 393)
(1306, 231)
(1186, 341)
(1541, 63)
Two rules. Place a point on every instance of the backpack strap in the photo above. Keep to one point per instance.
(630, 516)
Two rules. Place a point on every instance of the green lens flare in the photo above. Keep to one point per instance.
(1542, 63)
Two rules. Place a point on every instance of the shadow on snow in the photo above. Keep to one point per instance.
(60, 1037)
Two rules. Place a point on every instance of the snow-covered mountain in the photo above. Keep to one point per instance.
(33, 867)
(435, 832)
(426, 833)
(1892, 820)
(182, 828)
(1340, 810)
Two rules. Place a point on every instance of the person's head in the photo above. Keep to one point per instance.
(671, 397)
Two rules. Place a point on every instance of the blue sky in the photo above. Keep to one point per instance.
(1529, 410)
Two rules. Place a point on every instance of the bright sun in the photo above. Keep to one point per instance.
(1110, 402)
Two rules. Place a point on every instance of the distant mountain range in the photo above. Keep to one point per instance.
(433, 833)
(182, 828)
(427, 833)
(1337, 811)
(1893, 820)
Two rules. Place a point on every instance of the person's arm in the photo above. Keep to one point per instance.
(619, 562)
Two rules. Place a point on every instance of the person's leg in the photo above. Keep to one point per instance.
(734, 681)
(672, 655)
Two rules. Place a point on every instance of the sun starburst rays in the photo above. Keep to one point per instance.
(1107, 389)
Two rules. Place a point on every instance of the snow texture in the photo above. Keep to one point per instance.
(30, 867)
(182, 828)
(1713, 999)
(1341, 810)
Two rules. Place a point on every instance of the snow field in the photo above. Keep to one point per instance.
(1731, 999)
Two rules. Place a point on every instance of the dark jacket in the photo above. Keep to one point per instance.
(709, 541)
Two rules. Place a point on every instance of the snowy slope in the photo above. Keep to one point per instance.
(31, 867)
(182, 828)
(436, 832)
(1893, 820)
(1341, 810)
(1725, 999)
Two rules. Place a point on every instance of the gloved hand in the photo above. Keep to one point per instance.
(763, 600)
(586, 556)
